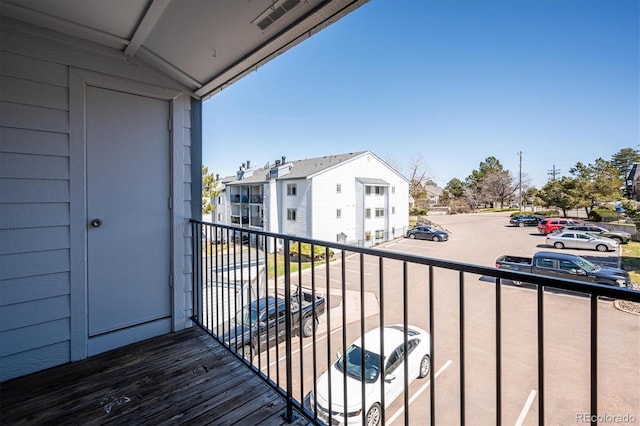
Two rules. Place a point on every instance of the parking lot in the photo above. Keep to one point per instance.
(479, 239)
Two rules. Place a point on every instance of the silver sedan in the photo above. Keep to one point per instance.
(581, 240)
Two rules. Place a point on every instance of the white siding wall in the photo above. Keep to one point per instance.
(37, 189)
(352, 201)
(326, 202)
(300, 202)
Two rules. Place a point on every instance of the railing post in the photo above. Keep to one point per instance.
(540, 355)
(498, 351)
(594, 359)
(287, 297)
(432, 376)
(462, 352)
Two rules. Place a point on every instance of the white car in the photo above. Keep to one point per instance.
(581, 240)
(349, 367)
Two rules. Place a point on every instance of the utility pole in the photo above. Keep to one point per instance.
(554, 172)
(520, 182)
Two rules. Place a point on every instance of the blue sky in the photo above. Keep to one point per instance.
(450, 82)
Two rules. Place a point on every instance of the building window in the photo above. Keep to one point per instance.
(367, 213)
(291, 189)
(291, 214)
(393, 210)
(338, 213)
(379, 212)
(380, 234)
(377, 190)
(367, 236)
(219, 217)
(338, 189)
(393, 189)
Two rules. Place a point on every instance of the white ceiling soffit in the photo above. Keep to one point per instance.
(204, 44)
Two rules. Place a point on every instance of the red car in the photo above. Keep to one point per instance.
(548, 225)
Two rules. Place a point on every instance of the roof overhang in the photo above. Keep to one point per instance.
(205, 45)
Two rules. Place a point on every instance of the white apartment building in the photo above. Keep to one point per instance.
(353, 198)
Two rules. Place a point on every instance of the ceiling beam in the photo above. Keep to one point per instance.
(154, 12)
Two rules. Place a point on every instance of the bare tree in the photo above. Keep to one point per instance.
(474, 196)
(418, 177)
(498, 187)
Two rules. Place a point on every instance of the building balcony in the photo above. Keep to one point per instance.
(551, 351)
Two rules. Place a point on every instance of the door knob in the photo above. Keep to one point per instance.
(96, 223)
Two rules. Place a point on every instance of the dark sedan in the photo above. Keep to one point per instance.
(525, 220)
(426, 232)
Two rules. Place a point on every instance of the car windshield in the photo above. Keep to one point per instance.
(351, 364)
(586, 265)
(248, 316)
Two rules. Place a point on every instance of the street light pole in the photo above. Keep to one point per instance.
(520, 182)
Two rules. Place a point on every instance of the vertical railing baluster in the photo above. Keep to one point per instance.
(432, 347)
(540, 355)
(405, 323)
(207, 284)
(362, 333)
(462, 352)
(498, 351)
(196, 260)
(277, 327)
(288, 328)
(259, 239)
(382, 360)
(315, 318)
(594, 359)
(343, 279)
(300, 331)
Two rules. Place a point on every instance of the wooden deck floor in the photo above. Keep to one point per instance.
(179, 378)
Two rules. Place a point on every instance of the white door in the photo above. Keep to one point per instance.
(128, 218)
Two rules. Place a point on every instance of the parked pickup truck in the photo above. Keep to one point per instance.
(565, 266)
(263, 321)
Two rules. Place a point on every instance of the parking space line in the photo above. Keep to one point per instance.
(525, 409)
(295, 351)
(419, 391)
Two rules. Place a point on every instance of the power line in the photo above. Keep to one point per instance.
(553, 172)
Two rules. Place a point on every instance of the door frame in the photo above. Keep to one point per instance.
(79, 79)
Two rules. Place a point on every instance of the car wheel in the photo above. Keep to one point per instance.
(308, 325)
(618, 239)
(246, 351)
(374, 415)
(558, 245)
(602, 247)
(425, 366)
(412, 236)
(521, 224)
(436, 238)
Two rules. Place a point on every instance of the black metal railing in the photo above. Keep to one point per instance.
(283, 304)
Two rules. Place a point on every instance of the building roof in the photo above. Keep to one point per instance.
(433, 190)
(300, 169)
(373, 181)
